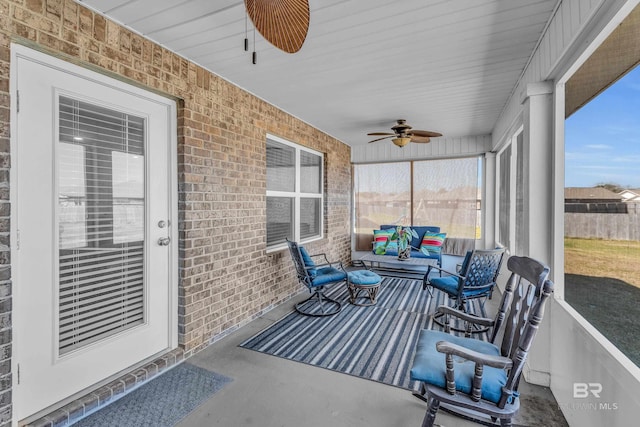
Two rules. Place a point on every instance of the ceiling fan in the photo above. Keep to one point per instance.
(403, 134)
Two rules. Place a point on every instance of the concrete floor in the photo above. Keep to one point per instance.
(270, 391)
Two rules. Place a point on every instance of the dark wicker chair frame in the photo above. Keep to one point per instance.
(520, 313)
(315, 277)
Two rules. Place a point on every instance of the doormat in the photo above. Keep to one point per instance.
(162, 402)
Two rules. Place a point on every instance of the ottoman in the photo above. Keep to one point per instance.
(364, 281)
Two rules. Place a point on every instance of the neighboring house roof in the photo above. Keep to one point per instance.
(591, 194)
(630, 195)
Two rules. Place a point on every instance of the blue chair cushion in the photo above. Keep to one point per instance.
(308, 262)
(326, 275)
(363, 277)
(448, 284)
(429, 364)
(432, 255)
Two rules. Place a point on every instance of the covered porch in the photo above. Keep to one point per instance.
(225, 271)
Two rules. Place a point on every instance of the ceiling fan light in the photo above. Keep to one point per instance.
(401, 141)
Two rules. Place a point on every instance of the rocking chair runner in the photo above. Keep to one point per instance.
(469, 374)
(316, 277)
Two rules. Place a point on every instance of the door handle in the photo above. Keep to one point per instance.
(164, 241)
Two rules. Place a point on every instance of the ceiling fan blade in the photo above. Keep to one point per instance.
(380, 139)
(416, 138)
(425, 133)
(380, 133)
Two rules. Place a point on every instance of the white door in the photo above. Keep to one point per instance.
(94, 263)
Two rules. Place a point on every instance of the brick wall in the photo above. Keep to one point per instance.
(224, 282)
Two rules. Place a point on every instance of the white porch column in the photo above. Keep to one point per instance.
(537, 101)
(489, 200)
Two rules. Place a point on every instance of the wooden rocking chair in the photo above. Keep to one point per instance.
(473, 377)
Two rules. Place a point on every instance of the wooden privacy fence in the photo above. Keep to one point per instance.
(609, 226)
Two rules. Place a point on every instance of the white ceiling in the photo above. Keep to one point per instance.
(444, 65)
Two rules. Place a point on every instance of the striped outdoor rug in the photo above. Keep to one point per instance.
(374, 342)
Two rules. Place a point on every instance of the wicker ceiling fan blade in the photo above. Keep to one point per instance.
(380, 139)
(380, 133)
(426, 133)
(416, 138)
(283, 23)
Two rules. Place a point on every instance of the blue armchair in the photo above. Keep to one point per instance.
(316, 277)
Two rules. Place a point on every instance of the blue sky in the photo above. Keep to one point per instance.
(602, 139)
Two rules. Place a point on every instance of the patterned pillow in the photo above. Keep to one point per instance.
(432, 243)
(380, 238)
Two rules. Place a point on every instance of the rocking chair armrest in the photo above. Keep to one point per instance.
(499, 362)
(482, 321)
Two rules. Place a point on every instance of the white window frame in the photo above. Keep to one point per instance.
(297, 195)
(512, 142)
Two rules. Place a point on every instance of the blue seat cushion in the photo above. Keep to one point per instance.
(420, 254)
(326, 275)
(363, 277)
(429, 364)
(448, 284)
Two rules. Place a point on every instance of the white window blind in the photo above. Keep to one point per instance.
(382, 194)
(100, 173)
(443, 192)
(446, 193)
(294, 192)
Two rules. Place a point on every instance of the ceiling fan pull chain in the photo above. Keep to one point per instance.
(254, 56)
(246, 39)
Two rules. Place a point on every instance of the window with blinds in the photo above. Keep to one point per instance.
(294, 192)
(100, 175)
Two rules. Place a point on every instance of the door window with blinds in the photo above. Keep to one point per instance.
(101, 210)
(295, 182)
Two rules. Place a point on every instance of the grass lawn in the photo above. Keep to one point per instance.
(602, 282)
(618, 259)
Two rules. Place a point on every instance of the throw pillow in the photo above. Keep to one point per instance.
(380, 238)
(432, 243)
